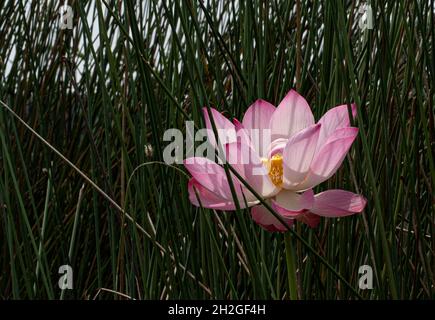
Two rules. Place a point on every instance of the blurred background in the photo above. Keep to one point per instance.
(102, 80)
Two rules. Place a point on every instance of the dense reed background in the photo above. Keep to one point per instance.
(103, 94)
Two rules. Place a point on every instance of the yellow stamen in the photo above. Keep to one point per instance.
(274, 165)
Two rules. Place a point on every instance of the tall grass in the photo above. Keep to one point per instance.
(103, 94)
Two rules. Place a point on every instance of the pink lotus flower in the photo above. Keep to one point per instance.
(299, 155)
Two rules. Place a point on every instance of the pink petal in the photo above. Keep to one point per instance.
(243, 136)
(292, 115)
(309, 218)
(276, 147)
(226, 130)
(338, 203)
(207, 198)
(292, 204)
(267, 220)
(248, 164)
(329, 158)
(212, 176)
(334, 119)
(256, 121)
(298, 154)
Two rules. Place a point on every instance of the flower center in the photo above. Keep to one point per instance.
(274, 165)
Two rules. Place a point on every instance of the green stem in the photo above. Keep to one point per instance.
(291, 266)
